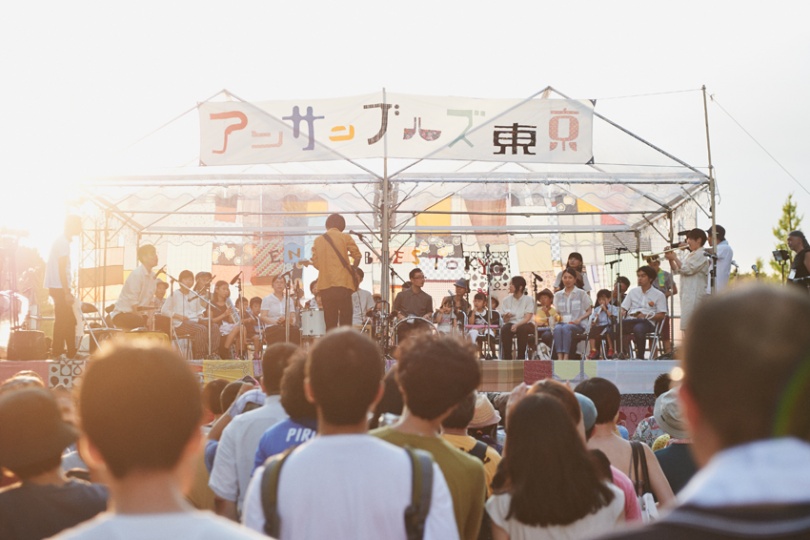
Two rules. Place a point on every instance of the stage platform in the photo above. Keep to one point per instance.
(634, 378)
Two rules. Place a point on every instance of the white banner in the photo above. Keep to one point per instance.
(416, 127)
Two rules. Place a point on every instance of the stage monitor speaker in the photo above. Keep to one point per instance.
(27, 345)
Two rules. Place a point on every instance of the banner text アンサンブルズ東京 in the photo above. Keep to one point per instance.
(411, 126)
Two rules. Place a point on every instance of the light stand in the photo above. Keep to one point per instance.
(782, 256)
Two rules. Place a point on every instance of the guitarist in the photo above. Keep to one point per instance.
(336, 257)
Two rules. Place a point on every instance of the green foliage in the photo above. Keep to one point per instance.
(790, 220)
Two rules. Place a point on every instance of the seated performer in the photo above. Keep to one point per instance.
(546, 317)
(274, 315)
(137, 296)
(574, 263)
(223, 313)
(480, 316)
(184, 310)
(413, 303)
(643, 307)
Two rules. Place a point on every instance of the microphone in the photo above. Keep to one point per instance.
(161, 271)
(487, 249)
(466, 264)
(755, 268)
(683, 233)
(357, 234)
(436, 263)
(236, 278)
(538, 278)
(735, 265)
(620, 249)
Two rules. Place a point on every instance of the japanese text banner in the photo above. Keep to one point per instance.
(417, 127)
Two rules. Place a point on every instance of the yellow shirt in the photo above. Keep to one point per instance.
(542, 320)
(331, 272)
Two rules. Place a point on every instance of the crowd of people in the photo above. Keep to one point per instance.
(329, 445)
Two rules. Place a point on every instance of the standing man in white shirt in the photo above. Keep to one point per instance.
(643, 308)
(138, 294)
(57, 281)
(517, 311)
(725, 255)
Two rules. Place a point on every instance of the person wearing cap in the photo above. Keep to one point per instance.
(460, 302)
(33, 436)
(455, 431)
(484, 424)
(725, 256)
(676, 459)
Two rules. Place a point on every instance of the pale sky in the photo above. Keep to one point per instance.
(84, 80)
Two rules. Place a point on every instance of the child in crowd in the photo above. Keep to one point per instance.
(604, 316)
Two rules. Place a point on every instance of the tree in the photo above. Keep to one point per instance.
(789, 221)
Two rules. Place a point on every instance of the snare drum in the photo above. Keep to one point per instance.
(412, 325)
(312, 323)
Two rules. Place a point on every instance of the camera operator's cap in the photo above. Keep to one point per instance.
(485, 413)
(31, 428)
(668, 414)
(461, 282)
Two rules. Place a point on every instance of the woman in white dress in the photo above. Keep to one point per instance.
(694, 271)
(547, 486)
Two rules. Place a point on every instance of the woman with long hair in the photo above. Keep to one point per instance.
(547, 485)
(575, 307)
(223, 313)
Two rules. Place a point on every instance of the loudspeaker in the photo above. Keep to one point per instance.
(27, 345)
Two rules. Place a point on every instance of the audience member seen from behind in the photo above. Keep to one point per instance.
(547, 485)
(302, 422)
(648, 430)
(607, 399)
(33, 436)
(344, 483)
(676, 459)
(435, 373)
(141, 414)
(745, 394)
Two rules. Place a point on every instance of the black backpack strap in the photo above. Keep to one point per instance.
(272, 471)
(479, 450)
(421, 491)
(642, 475)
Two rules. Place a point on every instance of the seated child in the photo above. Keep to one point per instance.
(479, 316)
(546, 316)
(444, 317)
(602, 320)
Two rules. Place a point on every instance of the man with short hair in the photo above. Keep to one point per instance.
(413, 303)
(240, 439)
(362, 302)
(141, 414)
(138, 293)
(642, 308)
(33, 436)
(434, 374)
(744, 395)
(336, 257)
(345, 483)
(57, 281)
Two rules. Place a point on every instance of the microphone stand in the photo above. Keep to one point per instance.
(241, 317)
(617, 286)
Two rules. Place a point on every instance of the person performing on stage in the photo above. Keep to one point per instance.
(362, 303)
(138, 294)
(57, 281)
(412, 302)
(336, 256)
(184, 310)
(800, 266)
(724, 257)
(274, 315)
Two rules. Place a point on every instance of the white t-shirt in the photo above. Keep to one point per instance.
(362, 301)
(237, 448)
(349, 486)
(638, 301)
(178, 303)
(605, 520)
(174, 526)
(273, 307)
(60, 248)
(518, 307)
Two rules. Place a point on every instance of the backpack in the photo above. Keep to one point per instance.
(415, 514)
